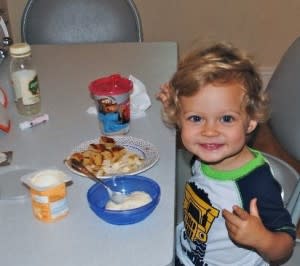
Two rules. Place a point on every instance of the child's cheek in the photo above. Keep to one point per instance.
(186, 135)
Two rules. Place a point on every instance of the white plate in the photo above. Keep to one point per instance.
(142, 148)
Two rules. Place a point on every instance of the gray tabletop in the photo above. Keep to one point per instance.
(81, 238)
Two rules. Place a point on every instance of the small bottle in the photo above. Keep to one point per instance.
(24, 80)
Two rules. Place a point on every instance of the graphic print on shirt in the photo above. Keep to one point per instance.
(199, 216)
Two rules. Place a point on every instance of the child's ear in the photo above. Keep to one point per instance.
(251, 126)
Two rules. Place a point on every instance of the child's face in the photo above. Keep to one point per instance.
(214, 125)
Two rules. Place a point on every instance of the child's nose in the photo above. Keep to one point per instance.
(210, 129)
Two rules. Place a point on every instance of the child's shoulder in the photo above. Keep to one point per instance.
(261, 178)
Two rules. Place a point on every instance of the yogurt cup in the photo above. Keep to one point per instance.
(112, 99)
(48, 194)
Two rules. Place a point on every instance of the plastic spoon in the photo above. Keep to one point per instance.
(115, 196)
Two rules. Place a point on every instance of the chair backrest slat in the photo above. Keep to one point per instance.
(77, 21)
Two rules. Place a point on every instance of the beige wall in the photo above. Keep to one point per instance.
(265, 28)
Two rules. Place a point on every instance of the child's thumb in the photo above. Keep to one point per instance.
(253, 207)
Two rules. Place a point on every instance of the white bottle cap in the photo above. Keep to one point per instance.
(20, 49)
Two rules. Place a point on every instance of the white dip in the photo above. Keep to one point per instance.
(47, 178)
(134, 200)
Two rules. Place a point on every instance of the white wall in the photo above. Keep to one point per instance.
(264, 28)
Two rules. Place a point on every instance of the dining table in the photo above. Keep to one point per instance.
(82, 238)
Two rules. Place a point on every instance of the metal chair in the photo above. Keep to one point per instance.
(287, 177)
(78, 21)
(284, 90)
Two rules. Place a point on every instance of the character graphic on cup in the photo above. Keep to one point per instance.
(112, 96)
(114, 116)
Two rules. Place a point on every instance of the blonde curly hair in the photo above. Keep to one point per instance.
(218, 64)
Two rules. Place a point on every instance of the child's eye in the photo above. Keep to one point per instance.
(195, 118)
(227, 118)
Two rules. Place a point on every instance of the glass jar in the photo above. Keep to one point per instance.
(24, 80)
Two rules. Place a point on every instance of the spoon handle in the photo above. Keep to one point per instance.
(78, 166)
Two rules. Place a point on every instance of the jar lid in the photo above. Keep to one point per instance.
(111, 85)
(20, 49)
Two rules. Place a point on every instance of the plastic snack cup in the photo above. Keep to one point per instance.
(48, 194)
(112, 98)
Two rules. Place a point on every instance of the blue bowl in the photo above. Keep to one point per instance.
(97, 197)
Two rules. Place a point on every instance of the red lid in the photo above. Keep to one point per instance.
(111, 85)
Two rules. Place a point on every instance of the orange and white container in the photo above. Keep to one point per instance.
(48, 194)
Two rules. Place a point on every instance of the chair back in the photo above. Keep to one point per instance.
(286, 176)
(80, 21)
(284, 89)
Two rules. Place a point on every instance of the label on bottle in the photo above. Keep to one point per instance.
(16, 85)
(25, 83)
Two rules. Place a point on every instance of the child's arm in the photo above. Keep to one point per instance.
(248, 230)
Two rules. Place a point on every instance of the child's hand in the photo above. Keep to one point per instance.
(164, 94)
(244, 228)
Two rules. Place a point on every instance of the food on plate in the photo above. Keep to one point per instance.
(134, 200)
(107, 157)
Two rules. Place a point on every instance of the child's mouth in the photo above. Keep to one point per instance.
(211, 146)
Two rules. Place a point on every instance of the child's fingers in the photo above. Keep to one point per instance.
(165, 86)
(161, 96)
(241, 213)
(231, 221)
(164, 94)
(230, 217)
(253, 207)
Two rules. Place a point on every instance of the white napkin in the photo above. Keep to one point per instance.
(139, 100)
